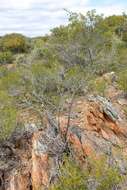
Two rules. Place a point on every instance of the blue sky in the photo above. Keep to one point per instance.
(37, 17)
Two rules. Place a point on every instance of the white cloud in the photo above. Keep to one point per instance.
(25, 4)
(37, 17)
(19, 4)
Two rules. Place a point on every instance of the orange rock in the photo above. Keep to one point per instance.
(104, 134)
(87, 150)
(91, 132)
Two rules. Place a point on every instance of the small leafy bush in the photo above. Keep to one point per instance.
(6, 57)
(106, 176)
(7, 116)
(11, 82)
(73, 177)
(98, 86)
(122, 80)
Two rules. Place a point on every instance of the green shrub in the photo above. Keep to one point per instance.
(124, 36)
(44, 79)
(106, 176)
(16, 43)
(73, 177)
(7, 116)
(98, 86)
(75, 80)
(6, 57)
(12, 81)
(125, 111)
(122, 80)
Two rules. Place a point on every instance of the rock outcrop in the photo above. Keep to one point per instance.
(30, 159)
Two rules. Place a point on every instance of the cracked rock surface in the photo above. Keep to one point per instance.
(30, 159)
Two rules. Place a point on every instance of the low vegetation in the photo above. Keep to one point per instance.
(45, 71)
(97, 173)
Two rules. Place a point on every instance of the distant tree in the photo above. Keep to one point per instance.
(83, 42)
(16, 43)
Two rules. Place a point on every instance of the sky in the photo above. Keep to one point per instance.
(38, 17)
